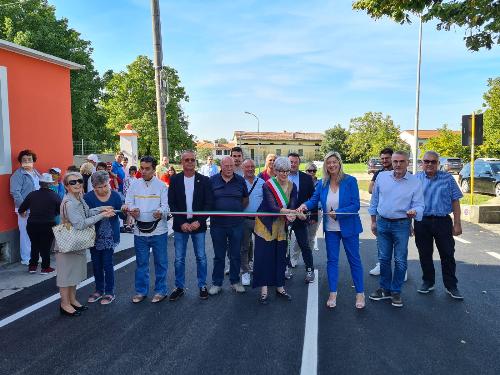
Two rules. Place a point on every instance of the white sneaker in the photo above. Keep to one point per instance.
(406, 276)
(245, 279)
(376, 270)
(214, 289)
(288, 273)
(25, 262)
(238, 288)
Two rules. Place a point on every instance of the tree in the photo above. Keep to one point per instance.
(221, 141)
(447, 143)
(334, 140)
(129, 97)
(491, 126)
(33, 24)
(370, 134)
(202, 153)
(479, 17)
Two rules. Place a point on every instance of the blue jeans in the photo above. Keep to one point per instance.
(159, 245)
(180, 242)
(392, 237)
(226, 238)
(351, 246)
(104, 274)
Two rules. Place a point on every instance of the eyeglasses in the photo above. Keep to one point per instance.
(283, 171)
(311, 170)
(188, 160)
(430, 161)
(74, 182)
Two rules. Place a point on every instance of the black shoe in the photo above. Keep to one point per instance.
(263, 299)
(396, 300)
(426, 287)
(80, 308)
(65, 313)
(380, 294)
(284, 294)
(203, 292)
(454, 293)
(176, 294)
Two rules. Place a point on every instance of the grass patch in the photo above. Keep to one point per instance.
(479, 199)
(355, 168)
(363, 184)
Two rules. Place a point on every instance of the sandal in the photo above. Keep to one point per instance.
(263, 299)
(107, 299)
(360, 301)
(94, 297)
(283, 294)
(138, 298)
(158, 298)
(332, 301)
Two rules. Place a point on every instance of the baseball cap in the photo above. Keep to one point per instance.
(46, 177)
(93, 157)
(55, 169)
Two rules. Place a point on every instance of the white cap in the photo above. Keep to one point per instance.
(93, 157)
(55, 169)
(46, 177)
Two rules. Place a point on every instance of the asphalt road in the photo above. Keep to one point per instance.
(233, 334)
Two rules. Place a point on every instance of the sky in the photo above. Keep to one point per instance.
(297, 65)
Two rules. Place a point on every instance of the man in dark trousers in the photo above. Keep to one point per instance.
(189, 191)
(305, 189)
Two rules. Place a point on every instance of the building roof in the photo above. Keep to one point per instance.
(425, 134)
(212, 145)
(39, 55)
(279, 136)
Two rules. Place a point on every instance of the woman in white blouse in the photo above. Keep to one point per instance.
(339, 196)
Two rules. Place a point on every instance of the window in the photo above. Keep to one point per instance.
(5, 160)
(252, 153)
(278, 152)
(226, 152)
(301, 152)
(218, 152)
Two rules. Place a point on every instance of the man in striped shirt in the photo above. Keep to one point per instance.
(441, 196)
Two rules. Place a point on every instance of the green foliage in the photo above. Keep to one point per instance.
(480, 18)
(334, 140)
(491, 125)
(130, 97)
(33, 24)
(221, 140)
(447, 143)
(202, 153)
(370, 134)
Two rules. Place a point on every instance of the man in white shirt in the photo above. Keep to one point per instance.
(147, 202)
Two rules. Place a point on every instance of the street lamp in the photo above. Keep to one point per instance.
(258, 136)
(417, 106)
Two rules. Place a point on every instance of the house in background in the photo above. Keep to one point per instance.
(35, 113)
(219, 150)
(423, 137)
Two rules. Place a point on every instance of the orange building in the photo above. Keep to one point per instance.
(35, 113)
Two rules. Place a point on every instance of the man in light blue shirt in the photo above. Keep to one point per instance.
(397, 198)
(255, 192)
(442, 196)
(209, 169)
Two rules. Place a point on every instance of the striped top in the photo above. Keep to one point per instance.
(439, 192)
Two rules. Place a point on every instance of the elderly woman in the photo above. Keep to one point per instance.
(339, 196)
(268, 171)
(72, 266)
(44, 208)
(22, 182)
(86, 169)
(107, 238)
(280, 196)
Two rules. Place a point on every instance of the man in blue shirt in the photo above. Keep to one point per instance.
(441, 196)
(118, 171)
(230, 193)
(397, 199)
(255, 195)
(209, 169)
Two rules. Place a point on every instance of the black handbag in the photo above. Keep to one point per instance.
(147, 226)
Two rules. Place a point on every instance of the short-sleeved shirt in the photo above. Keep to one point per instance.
(439, 193)
(228, 196)
(257, 194)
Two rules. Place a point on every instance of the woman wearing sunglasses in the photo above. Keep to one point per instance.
(72, 266)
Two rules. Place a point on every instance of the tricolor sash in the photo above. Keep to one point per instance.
(278, 192)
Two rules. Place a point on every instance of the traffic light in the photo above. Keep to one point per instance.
(467, 130)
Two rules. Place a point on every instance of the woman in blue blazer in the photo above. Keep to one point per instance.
(339, 196)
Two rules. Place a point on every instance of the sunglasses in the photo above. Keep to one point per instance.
(311, 170)
(74, 182)
(430, 161)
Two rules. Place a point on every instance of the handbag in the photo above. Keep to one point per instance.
(147, 226)
(69, 239)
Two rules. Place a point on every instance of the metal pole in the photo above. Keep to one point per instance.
(473, 140)
(258, 137)
(417, 110)
(158, 65)
(82, 148)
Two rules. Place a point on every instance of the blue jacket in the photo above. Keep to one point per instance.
(348, 202)
(21, 184)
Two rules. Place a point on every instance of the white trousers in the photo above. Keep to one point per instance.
(24, 239)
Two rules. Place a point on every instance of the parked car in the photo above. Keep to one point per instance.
(420, 165)
(486, 177)
(374, 164)
(451, 165)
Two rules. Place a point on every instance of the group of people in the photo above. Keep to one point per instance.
(251, 219)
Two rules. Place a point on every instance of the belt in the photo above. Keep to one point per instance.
(393, 220)
(435, 217)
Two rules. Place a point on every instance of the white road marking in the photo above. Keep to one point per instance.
(460, 239)
(310, 349)
(54, 297)
(493, 254)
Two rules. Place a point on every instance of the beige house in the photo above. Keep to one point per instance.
(219, 150)
(256, 145)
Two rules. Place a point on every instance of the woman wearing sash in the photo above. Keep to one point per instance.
(280, 196)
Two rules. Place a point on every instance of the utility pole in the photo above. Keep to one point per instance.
(158, 65)
(417, 109)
